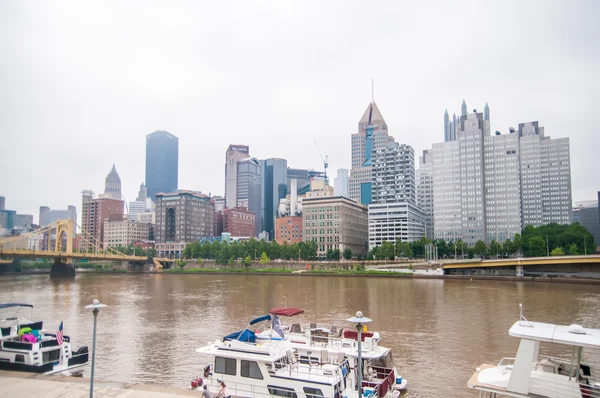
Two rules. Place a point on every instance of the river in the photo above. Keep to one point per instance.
(440, 330)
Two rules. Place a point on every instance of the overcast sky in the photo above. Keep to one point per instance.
(82, 83)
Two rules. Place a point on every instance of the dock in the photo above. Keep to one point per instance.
(25, 385)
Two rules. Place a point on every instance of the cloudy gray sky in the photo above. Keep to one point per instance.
(82, 83)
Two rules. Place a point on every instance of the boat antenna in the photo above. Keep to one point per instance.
(522, 318)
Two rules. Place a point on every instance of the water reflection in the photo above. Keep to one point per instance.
(439, 330)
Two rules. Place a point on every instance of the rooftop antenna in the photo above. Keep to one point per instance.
(372, 90)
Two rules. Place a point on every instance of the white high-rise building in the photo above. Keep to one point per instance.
(372, 135)
(234, 154)
(488, 187)
(340, 183)
(424, 180)
(393, 214)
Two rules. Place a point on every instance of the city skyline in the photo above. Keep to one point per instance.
(81, 102)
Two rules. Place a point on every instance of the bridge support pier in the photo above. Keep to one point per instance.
(62, 269)
(520, 271)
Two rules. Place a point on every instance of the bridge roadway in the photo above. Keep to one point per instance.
(24, 385)
(20, 253)
(522, 261)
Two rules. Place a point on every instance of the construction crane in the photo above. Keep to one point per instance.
(325, 163)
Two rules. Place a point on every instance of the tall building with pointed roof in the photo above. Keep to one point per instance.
(486, 112)
(112, 185)
(372, 135)
(463, 109)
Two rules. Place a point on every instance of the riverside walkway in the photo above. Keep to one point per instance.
(25, 385)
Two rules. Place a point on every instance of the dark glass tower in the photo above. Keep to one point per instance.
(162, 163)
(274, 184)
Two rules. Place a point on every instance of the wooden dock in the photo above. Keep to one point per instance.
(25, 385)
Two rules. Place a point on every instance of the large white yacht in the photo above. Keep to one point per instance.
(260, 367)
(315, 344)
(42, 352)
(530, 374)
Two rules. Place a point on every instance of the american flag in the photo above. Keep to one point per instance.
(59, 334)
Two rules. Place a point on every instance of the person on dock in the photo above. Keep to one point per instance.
(206, 392)
(224, 392)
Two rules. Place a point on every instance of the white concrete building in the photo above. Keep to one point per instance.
(147, 217)
(424, 181)
(340, 183)
(124, 232)
(393, 214)
(488, 187)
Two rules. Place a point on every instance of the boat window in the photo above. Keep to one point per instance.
(225, 366)
(282, 391)
(51, 356)
(250, 369)
(313, 392)
(20, 358)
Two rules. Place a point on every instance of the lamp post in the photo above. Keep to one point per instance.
(359, 319)
(95, 307)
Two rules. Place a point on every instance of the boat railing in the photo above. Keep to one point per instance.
(383, 381)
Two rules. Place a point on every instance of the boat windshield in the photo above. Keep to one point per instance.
(384, 361)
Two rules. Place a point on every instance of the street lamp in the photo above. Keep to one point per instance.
(95, 307)
(359, 319)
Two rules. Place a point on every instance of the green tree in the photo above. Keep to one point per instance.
(573, 250)
(517, 245)
(181, 264)
(264, 259)
(247, 262)
(480, 249)
(558, 251)
(536, 247)
(508, 248)
(403, 249)
(495, 248)
(231, 262)
(386, 251)
(347, 253)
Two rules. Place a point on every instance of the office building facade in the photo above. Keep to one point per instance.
(587, 213)
(340, 183)
(233, 155)
(94, 212)
(181, 217)
(239, 222)
(274, 187)
(162, 163)
(424, 181)
(372, 135)
(489, 187)
(335, 223)
(125, 232)
(112, 185)
(248, 191)
(48, 216)
(288, 229)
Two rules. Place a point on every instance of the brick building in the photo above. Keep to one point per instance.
(239, 222)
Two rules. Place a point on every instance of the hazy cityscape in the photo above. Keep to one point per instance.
(300, 199)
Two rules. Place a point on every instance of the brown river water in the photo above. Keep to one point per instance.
(439, 330)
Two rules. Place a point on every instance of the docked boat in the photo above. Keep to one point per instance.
(317, 344)
(26, 346)
(258, 367)
(530, 374)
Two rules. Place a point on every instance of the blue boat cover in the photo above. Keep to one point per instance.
(245, 335)
(15, 305)
(260, 319)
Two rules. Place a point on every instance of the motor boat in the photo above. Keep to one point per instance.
(530, 374)
(305, 367)
(26, 346)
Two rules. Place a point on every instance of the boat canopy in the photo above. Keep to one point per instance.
(9, 305)
(286, 311)
(260, 319)
(245, 335)
(559, 334)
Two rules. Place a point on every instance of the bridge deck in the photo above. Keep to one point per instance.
(512, 262)
(21, 384)
(74, 255)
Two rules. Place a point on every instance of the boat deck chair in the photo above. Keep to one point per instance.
(313, 325)
(296, 328)
(324, 357)
(339, 359)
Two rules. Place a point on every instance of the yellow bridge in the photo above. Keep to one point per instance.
(56, 241)
(523, 261)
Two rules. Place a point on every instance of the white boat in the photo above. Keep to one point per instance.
(315, 344)
(530, 374)
(43, 354)
(253, 367)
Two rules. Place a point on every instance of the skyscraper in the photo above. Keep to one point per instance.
(463, 109)
(424, 181)
(112, 185)
(393, 214)
(340, 184)
(248, 191)
(372, 135)
(488, 187)
(162, 162)
(274, 184)
(233, 155)
(139, 204)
